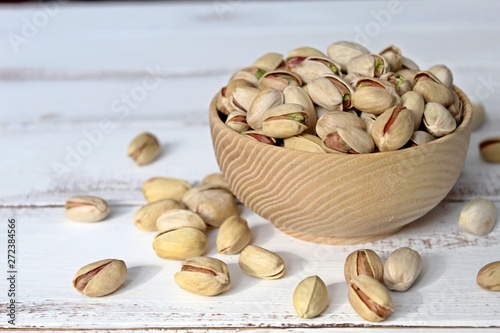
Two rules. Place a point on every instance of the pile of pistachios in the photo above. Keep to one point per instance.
(346, 101)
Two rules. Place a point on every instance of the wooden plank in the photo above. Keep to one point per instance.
(51, 248)
(224, 34)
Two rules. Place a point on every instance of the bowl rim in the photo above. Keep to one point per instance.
(465, 125)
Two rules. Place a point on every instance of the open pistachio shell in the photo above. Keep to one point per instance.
(371, 65)
(432, 89)
(234, 234)
(438, 120)
(260, 136)
(179, 218)
(266, 99)
(296, 56)
(444, 74)
(297, 95)
(204, 276)
(325, 94)
(369, 298)
(284, 121)
(393, 128)
(393, 57)
(279, 79)
(180, 243)
(349, 140)
(330, 121)
(363, 262)
(270, 61)
(343, 51)
(259, 262)
(414, 102)
(242, 98)
(304, 142)
(237, 120)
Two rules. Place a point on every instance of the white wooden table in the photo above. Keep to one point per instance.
(78, 81)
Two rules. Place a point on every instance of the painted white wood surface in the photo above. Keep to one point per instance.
(70, 79)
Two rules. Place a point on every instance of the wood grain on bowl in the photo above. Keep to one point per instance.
(340, 198)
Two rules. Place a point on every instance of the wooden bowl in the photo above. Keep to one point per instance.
(340, 198)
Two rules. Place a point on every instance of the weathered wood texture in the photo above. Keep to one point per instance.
(78, 81)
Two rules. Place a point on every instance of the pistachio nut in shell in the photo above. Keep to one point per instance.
(373, 99)
(297, 95)
(313, 67)
(237, 120)
(343, 51)
(284, 121)
(393, 128)
(344, 88)
(86, 208)
(279, 79)
(242, 98)
(325, 94)
(370, 65)
(259, 262)
(234, 234)
(349, 140)
(437, 119)
(488, 276)
(310, 297)
(204, 276)
(401, 84)
(393, 57)
(100, 278)
(250, 74)
(216, 179)
(444, 74)
(414, 102)
(368, 119)
(330, 121)
(270, 61)
(265, 100)
(144, 148)
(369, 298)
(402, 268)
(363, 262)
(213, 203)
(408, 74)
(260, 136)
(179, 218)
(421, 137)
(478, 216)
(432, 89)
(145, 218)
(409, 64)
(158, 188)
(490, 150)
(180, 244)
(304, 142)
(296, 56)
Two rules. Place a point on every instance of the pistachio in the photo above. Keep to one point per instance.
(250, 74)
(370, 65)
(368, 119)
(304, 142)
(216, 179)
(402, 268)
(490, 150)
(242, 98)
(259, 262)
(158, 188)
(420, 138)
(213, 203)
(179, 218)
(409, 64)
(145, 218)
(325, 94)
(204, 276)
(363, 262)
(86, 208)
(100, 278)
(279, 80)
(369, 298)
(393, 128)
(438, 120)
(488, 276)
(296, 56)
(310, 297)
(144, 148)
(260, 136)
(342, 52)
(234, 234)
(265, 100)
(478, 217)
(408, 74)
(344, 88)
(444, 74)
(432, 89)
(374, 99)
(478, 115)
(270, 61)
(237, 120)
(332, 120)
(393, 57)
(401, 84)
(180, 243)
(284, 121)
(297, 95)
(414, 102)
(350, 140)
(313, 67)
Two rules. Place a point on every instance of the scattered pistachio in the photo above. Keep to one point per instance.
(363, 262)
(86, 208)
(204, 276)
(310, 297)
(490, 150)
(158, 188)
(488, 276)
(369, 298)
(234, 234)
(478, 217)
(100, 278)
(145, 218)
(261, 263)
(180, 243)
(402, 268)
(144, 148)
